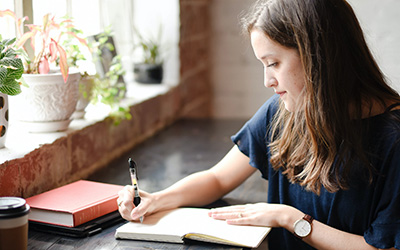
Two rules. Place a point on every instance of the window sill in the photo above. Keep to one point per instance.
(19, 142)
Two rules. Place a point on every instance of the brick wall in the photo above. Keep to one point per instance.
(84, 151)
(194, 53)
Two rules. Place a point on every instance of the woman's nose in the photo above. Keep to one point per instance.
(270, 82)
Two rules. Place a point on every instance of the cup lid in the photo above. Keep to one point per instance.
(11, 207)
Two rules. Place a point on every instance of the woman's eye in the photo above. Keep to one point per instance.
(272, 64)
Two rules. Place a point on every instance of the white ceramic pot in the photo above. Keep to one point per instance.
(48, 103)
(3, 119)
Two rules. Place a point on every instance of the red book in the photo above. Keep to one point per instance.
(74, 204)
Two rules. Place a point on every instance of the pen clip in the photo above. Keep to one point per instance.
(133, 172)
(132, 168)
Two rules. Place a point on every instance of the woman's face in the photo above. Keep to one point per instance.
(283, 70)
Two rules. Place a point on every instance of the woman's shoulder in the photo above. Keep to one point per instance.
(272, 102)
(258, 124)
(387, 123)
(265, 113)
(382, 133)
(269, 108)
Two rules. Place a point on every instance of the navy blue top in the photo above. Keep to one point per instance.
(369, 210)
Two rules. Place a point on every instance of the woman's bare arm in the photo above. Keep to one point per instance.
(198, 189)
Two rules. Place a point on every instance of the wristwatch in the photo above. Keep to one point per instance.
(302, 228)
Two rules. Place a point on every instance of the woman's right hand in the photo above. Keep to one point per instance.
(128, 210)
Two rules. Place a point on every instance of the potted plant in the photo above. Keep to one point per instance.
(150, 68)
(49, 101)
(108, 89)
(11, 69)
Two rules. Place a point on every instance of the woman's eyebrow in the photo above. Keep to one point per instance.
(266, 56)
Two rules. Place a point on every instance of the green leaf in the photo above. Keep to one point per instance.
(8, 85)
(11, 88)
(11, 69)
(8, 42)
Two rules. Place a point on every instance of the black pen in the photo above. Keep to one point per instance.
(133, 172)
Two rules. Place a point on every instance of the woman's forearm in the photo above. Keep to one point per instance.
(198, 189)
(325, 237)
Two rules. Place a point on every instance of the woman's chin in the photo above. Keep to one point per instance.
(288, 107)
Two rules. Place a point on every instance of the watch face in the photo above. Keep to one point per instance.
(302, 228)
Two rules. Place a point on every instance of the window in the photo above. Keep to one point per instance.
(93, 16)
(7, 25)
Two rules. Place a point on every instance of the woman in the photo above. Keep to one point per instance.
(328, 142)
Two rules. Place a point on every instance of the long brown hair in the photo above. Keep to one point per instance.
(342, 80)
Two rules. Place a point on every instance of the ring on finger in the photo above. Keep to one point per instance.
(240, 215)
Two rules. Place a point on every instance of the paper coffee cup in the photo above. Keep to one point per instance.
(13, 223)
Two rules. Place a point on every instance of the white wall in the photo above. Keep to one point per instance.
(237, 77)
(380, 21)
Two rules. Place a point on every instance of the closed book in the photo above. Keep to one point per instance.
(194, 224)
(74, 204)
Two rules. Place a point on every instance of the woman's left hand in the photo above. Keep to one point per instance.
(259, 214)
(277, 215)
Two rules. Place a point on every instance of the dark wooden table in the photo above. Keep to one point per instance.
(185, 147)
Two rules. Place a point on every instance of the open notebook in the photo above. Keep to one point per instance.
(194, 224)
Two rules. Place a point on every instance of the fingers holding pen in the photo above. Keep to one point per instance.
(126, 206)
(143, 207)
(124, 201)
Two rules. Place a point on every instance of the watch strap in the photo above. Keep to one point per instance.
(308, 218)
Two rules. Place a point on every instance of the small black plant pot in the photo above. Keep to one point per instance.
(148, 73)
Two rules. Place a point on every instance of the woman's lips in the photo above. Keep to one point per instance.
(281, 93)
